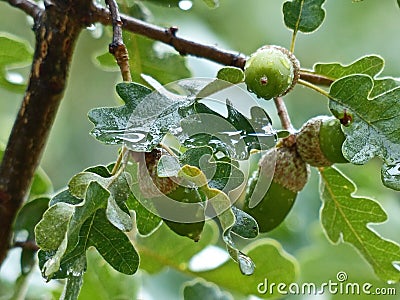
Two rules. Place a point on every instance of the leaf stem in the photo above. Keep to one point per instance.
(315, 88)
(119, 161)
(292, 44)
(117, 47)
(283, 114)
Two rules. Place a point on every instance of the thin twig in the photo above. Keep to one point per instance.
(30, 245)
(315, 88)
(187, 47)
(283, 114)
(117, 47)
(29, 7)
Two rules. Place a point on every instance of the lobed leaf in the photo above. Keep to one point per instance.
(303, 15)
(371, 65)
(231, 74)
(13, 53)
(373, 129)
(346, 218)
(111, 122)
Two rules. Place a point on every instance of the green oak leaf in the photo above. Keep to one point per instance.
(371, 65)
(51, 230)
(220, 175)
(111, 243)
(373, 130)
(28, 216)
(231, 74)
(245, 225)
(200, 289)
(163, 65)
(13, 53)
(303, 15)
(235, 135)
(345, 218)
(111, 122)
(65, 196)
(117, 212)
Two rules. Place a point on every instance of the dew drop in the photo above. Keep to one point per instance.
(246, 265)
(14, 77)
(185, 4)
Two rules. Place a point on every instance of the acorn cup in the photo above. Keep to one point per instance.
(271, 71)
(290, 176)
(164, 189)
(319, 142)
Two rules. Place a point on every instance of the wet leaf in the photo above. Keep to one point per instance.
(346, 218)
(111, 122)
(373, 128)
(13, 53)
(303, 15)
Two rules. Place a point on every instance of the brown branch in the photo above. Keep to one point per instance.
(283, 114)
(117, 47)
(168, 36)
(57, 29)
(29, 7)
(187, 47)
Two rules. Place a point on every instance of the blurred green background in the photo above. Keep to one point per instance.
(350, 31)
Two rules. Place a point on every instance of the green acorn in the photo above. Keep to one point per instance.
(290, 176)
(319, 142)
(271, 71)
(180, 193)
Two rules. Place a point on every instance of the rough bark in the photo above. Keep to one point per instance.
(56, 29)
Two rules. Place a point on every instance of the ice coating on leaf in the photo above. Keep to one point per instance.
(373, 130)
(345, 217)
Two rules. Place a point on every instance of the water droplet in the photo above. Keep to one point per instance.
(91, 27)
(14, 77)
(185, 4)
(393, 170)
(246, 265)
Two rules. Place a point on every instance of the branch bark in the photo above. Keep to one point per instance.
(57, 29)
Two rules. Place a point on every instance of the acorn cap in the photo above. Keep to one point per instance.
(291, 172)
(319, 142)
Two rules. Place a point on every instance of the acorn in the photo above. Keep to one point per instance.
(172, 188)
(319, 141)
(290, 176)
(271, 71)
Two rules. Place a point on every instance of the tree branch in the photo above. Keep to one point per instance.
(283, 114)
(117, 47)
(57, 29)
(188, 47)
(168, 36)
(29, 7)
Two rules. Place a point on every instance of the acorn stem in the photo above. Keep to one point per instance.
(283, 114)
(315, 88)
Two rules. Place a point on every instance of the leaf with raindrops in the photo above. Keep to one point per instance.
(372, 128)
